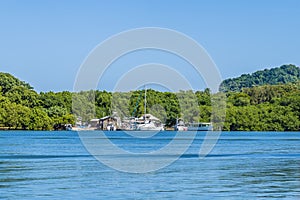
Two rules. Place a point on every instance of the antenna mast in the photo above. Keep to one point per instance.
(145, 103)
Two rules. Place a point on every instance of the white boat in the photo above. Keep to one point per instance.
(68, 127)
(150, 126)
(201, 126)
(180, 126)
(147, 122)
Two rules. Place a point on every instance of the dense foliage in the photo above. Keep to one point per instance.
(264, 108)
(258, 108)
(22, 108)
(281, 75)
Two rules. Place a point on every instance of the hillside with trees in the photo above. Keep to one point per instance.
(270, 107)
(23, 108)
(264, 108)
(280, 75)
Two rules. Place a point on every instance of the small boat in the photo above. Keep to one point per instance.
(201, 126)
(68, 127)
(180, 126)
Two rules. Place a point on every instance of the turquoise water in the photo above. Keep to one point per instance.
(243, 165)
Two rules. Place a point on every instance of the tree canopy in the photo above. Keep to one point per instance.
(251, 104)
(23, 108)
(280, 75)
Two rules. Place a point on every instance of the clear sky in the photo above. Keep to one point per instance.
(45, 42)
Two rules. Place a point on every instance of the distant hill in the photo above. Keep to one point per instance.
(274, 76)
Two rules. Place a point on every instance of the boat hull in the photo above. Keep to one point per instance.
(200, 127)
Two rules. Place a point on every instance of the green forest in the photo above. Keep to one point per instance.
(280, 75)
(267, 100)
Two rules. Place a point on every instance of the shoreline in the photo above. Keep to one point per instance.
(7, 129)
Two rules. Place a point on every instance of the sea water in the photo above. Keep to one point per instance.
(242, 165)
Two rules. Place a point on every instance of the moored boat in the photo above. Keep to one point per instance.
(146, 122)
(149, 123)
(200, 126)
(180, 126)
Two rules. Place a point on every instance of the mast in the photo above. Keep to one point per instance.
(145, 103)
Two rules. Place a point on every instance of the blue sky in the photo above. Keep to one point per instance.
(45, 42)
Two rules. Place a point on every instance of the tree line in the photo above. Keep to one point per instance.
(23, 108)
(258, 108)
